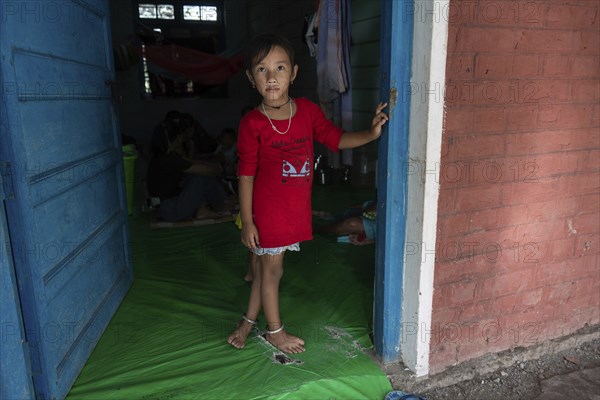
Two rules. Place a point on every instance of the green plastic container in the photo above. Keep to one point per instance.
(129, 157)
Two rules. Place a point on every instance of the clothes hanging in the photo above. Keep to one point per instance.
(194, 65)
(333, 67)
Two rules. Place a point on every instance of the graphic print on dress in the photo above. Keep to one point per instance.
(296, 166)
(289, 170)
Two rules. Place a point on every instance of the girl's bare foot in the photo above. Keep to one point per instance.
(285, 341)
(238, 338)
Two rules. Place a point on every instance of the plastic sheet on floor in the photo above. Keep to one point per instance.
(168, 338)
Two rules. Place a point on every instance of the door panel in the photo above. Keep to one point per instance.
(68, 218)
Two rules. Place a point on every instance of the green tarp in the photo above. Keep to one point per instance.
(168, 338)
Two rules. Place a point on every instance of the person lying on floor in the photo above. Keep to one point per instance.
(186, 188)
(355, 225)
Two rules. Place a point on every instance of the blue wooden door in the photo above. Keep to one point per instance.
(392, 195)
(63, 181)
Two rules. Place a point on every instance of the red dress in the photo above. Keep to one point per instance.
(283, 169)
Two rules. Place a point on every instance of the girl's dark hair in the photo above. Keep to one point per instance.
(261, 46)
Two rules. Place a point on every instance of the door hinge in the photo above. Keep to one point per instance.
(6, 181)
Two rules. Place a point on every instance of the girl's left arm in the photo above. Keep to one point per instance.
(350, 140)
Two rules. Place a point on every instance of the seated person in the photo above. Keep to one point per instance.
(226, 155)
(355, 225)
(201, 145)
(186, 188)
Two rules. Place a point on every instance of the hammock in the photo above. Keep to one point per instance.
(197, 66)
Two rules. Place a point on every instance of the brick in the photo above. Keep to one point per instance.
(560, 293)
(582, 184)
(477, 146)
(558, 163)
(587, 244)
(546, 91)
(525, 66)
(548, 141)
(588, 264)
(522, 118)
(460, 66)
(551, 209)
(446, 201)
(556, 65)
(447, 143)
(543, 41)
(498, 217)
(492, 119)
(559, 17)
(586, 43)
(483, 39)
(552, 274)
(587, 90)
(586, 223)
(438, 300)
(505, 304)
(522, 304)
(448, 250)
(454, 36)
(533, 253)
(531, 298)
(489, 242)
(580, 318)
(452, 225)
(596, 116)
(525, 328)
(587, 203)
(473, 311)
(565, 116)
(532, 191)
(462, 292)
(491, 66)
(510, 13)
(542, 231)
(459, 120)
(453, 271)
(586, 66)
(586, 17)
(513, 282)
(562, 249)
(506, 92)
(591, 161)
(479, 198)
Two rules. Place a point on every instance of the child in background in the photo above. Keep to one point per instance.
(186, 188)
(226, 153)
(275, 147)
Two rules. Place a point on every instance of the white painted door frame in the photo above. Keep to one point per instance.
(408, 177)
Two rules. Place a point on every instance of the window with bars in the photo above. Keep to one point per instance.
(196, 25)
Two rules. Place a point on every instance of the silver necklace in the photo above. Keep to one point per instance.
(273, 125)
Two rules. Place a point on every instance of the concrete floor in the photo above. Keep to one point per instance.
(580, 385)
(563, 368)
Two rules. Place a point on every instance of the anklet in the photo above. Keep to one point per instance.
(275, 331)
(248, 320)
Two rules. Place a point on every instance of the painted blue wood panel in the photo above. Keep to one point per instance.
(15, 370)
(68, 218)
(396, 59)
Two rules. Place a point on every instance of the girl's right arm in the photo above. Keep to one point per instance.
(249, 232)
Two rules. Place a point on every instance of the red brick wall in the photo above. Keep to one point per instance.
(518, 228)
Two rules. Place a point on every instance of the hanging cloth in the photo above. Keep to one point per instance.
(194, 65)
(333, 68)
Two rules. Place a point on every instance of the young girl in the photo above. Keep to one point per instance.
(275, 147)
